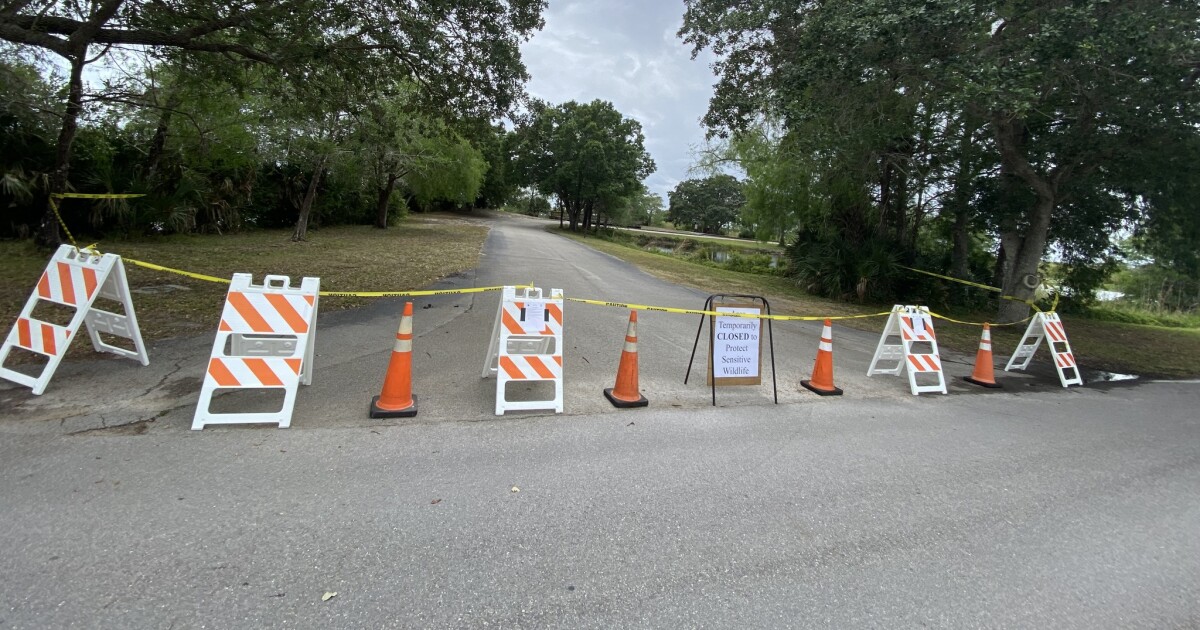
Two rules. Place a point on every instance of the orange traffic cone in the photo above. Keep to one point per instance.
(625, 393)
(397, 399)
(822, 378)
(984, 374)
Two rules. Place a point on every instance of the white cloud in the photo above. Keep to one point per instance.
(626, 52)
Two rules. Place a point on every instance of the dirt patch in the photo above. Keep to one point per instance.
(183, 386)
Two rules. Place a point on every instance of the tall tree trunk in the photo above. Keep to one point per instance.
(381, 203)
(301, 231)
(885, 191)
(587, 216)
(48, 233)
(960, 263)
(158, 143)
(961, 235)
(1023, 252)
(573, 210)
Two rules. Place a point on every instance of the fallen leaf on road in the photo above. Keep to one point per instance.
(328, 596)
(435, 501)
(516, 489)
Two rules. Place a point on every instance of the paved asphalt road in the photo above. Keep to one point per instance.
(1025, 507)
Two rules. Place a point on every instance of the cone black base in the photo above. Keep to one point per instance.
(821, 392)
(624, 404)
(407, 412)
(982, 383)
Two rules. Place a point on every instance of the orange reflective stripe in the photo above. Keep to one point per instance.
(555, 312)
(287, 312)
(221, 374)
(558, 360)
(48, 344)
(294, 364)
(511, 369)
(225, 327)
(44, 286)
(246, 310)
(89, 281)
(511, 324)
(539, 367)
(67, 284)
(24, 337)
(262, 372)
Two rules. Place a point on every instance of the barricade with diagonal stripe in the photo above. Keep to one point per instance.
(527, 346)
(910, 326)
(1050, 327)
(74, 278)
(265, 341)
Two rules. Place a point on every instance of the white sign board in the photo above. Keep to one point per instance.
(535, 317)
(736, 346)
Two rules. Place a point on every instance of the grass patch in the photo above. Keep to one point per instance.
(1134, 315)
(1149, 351)
(423, 249)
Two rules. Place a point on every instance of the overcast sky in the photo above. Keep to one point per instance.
(626, 52)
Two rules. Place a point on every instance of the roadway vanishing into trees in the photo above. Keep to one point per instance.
(1029, 506)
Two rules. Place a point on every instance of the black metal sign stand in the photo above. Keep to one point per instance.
(712, 368)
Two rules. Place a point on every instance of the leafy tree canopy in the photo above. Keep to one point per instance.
(706, 205)
(1077, 98)
(588, 155)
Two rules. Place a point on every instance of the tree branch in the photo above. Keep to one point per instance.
(14, 33)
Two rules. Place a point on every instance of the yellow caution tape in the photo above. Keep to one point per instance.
(692, 311)
(66, 230)
(195, 276)
(984, 287)
(371, 294)
(956, 321)
(624, 305)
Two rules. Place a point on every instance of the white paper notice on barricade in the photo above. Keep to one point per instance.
(736, 344)
(535, 317)
(918, 323)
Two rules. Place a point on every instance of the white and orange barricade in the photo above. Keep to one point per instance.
(265, 341)
(914, 351)
(74, 278)
(1050, 327)
(527, 346)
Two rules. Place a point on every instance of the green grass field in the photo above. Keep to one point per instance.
(412, 255)
(1148, 351)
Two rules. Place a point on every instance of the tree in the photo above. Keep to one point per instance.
(416, 150)
(26, 137)
(496, 145)
(588, 155)
(1075, 97)
(779, 179)
(706, 205)
(645, 207)
(464, 54)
